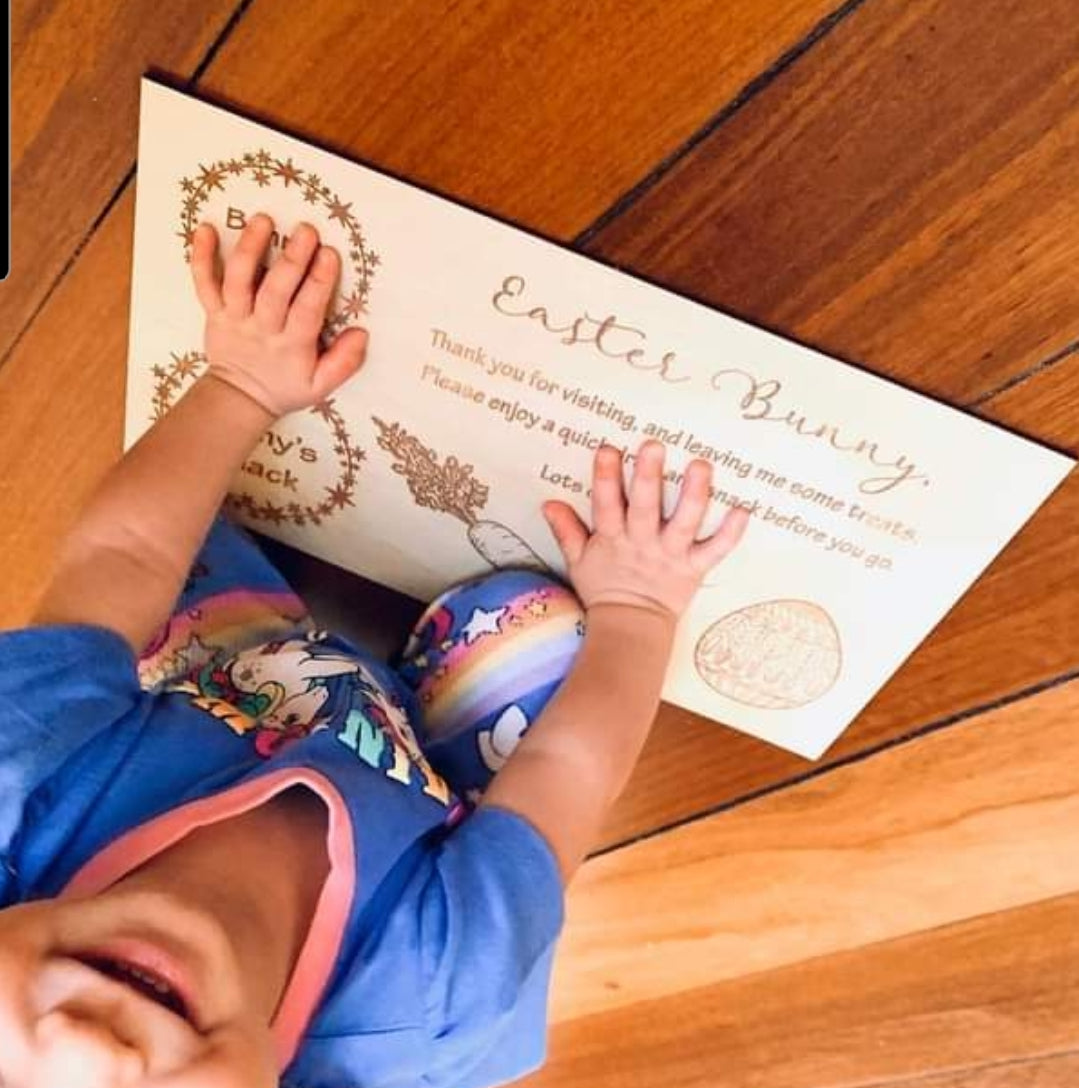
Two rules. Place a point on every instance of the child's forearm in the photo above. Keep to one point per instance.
(126, 558)
(124, 564)
(579, 753)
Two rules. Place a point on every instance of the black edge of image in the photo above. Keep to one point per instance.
(5, 213)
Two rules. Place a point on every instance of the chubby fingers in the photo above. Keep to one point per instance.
(685, 523)
(204, 268)
(646, 492)
(569, 531)
(308, 309)
(339, 362)
(241, 269)
(608, 495)
(680, 532)
(280, 283)
(707, 553)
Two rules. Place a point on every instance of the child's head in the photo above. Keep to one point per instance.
(72, 1015)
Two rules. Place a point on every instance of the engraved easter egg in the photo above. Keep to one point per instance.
(776, 655)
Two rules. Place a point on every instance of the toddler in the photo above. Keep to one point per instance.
(237, 851)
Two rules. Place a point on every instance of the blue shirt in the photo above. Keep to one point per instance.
(444, 931)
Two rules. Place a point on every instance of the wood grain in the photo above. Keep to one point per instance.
(542, 113)
(1053, 1071)
(67, 377)
(986, 1003)
(971, 820)
(902, 197)
(1045, 403)
(522, 109)
(75, 72)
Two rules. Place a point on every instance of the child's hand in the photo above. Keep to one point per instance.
(263, 338)
(633, 557)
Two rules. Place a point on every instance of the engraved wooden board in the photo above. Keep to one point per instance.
(498, 361)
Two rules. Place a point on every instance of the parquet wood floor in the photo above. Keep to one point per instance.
(893, 181)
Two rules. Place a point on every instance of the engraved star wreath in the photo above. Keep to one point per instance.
(168, 382)
(264, 169)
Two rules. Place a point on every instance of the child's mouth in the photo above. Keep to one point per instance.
(140, 979)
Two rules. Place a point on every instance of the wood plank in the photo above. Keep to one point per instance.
(523, 110)
(923, 1011)
(1044, 404)
(903, 196)
(75, 72)
(968, 821)
(542, 113)
(64, 385)
(1054, 1071)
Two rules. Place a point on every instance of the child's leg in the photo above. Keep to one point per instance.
(483, 660)
(233, 598)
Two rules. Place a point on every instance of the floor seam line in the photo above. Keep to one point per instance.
(1004, 1063)
(1024, 375)
(948, 721)
(68, 264)
(238, 12)
(215, 46)
(741, 99)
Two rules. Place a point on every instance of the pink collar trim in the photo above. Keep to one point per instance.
(316, 960)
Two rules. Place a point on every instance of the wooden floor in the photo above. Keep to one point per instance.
(893, 181)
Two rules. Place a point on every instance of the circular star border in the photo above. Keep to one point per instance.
(168, 381)
(262, 168)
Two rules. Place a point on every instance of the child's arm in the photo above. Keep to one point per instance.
(635, 575)
(124, 562)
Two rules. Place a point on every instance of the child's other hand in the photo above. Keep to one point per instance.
(632, 557)
(263, 338)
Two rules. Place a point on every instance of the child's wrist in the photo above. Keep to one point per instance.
(243, 407)
(645, 626)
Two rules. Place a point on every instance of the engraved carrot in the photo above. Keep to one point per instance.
(502, 547)
(452, 488)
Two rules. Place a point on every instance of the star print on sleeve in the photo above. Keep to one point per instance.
(483, 622)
